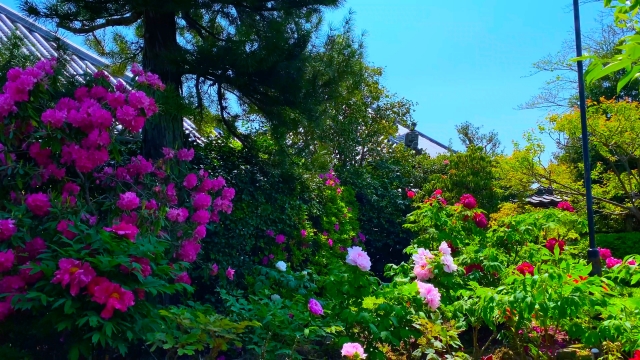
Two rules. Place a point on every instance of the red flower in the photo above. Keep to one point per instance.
(468, 201)
(525, 268)
(473, 267)
(636, 355)
(480, 220)
(564, 205)
(488, 357)
(551, 245)
(411, 194)
(113, 296)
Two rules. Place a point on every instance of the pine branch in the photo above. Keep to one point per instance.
(118, 21)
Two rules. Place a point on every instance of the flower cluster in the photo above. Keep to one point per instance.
(330, 178)
(566, 206)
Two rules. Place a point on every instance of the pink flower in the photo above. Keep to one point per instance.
(330, 242)
(168, 153)
(632, 262)
(32, 249)
(5, 308)
(185, 155)
(151, 205)
(280, 239)
(230, 273)
(357, 257)
(127, 231)
(128, 201)
(71, 188)
(201, 217)
(449, 266)
(315, 307)
(613, 262)
(444, 248)
(38, 204)
(11, 285)
(566, 206)
(73, 272)
(446, 162)
(189, 251)
(201, 201)
(423, 271)
(336, 227)
(178, 215)
(353, 350)
(604, 253)
(430, 294)
(214, 270)
(423, 256)
(339, 191)
(183, 278)
(551, 245)
(228, 193)
(42, 156)
(468, 201)
(63, 227)
(113, 296)
(480, 220)
(270, 233)
(144, 265)
(7, 229)
(303, 233)
(54, 118)
(7, 258)
(190, 181)
(411, 194)
(525, 269)
(200, 232)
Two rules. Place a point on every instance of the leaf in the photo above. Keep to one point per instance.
(628, 77)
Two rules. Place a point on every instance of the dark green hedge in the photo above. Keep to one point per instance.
(620, 244)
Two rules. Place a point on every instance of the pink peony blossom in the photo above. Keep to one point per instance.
(38, 204)
(632, 262)
(315, 307)
(7, 258)
(31, 250)
(303, 233)
(28, 275)
(280, 239)
(270, 233)
(151, 205)
(525, 269)
(63, 227)
(71, 188)
(53, 117)
(357, 257)
(566, 206)
(604, 253)
(128, 201)
(185, 155)
(183, 278)
(480, 220)
(423, 271)
(12, 285)
(138, 265)
(214, 270)
(468, 201)
(444, 248)
(200, 232)
(113, 296)
(201, 201)
(230, 273)
(127, 231)
(190, 181)
(449, 266)
(201, 217)
(551, 245)
(189, 251)
(411, 194)
(423, 256)
(7, 229)
(336, 227)
(42, 156)
(353, 351)
(613, 262)
(430, 294)
(178, 215)
(73, 272)
(330, 242)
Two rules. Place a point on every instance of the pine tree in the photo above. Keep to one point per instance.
(259, 51)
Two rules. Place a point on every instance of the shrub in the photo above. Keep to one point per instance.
(620, 244)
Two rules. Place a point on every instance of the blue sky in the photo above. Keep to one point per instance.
(465, 60)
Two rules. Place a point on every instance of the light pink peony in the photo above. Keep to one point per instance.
(423, 271)
(356, 256)
(353, 351)
(430, 294)
(73, 272)
(449, 266)
(444, 249)
(230, 273)
(38, 204)
(128, 201)
(423, 256)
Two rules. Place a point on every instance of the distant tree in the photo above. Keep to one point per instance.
(470, 136)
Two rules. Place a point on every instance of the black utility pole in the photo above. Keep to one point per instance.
(593, 254)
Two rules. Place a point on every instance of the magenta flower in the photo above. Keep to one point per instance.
(551, 245)
(336, 227)
(178, 215)
(190, 181)
(280, 239)
(315, 307)
(357, 257)
(185, 155)
(480, 220)
(63, 227)
(430, 294)
(32, 249)
(183, 278)
(7, 229)
(127, 231)
(270, 233)
(353, 351)
(113, 296)
(632, 262)
(604, 253)
(128, 201)
(330, 241)
(151, 205)
(73, 272)
(189, 251)
(38, 204)
(201, 217)
(230, 273)
(201, 201)
(613, 262)
(214, 270)
(468, 201)
(525, 269)
(566, 206)
(200, 232)
(26, 274)
(7, 258)
(303, 233)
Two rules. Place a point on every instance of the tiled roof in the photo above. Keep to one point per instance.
(42, 43)
(425, 143)
(544, 197)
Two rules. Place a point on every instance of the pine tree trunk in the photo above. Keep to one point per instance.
(160, 38)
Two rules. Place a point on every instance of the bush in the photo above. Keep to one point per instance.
(620, 244)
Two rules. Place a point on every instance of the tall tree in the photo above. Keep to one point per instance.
(256, 50)
(471, 136)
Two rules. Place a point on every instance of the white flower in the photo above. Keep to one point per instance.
(280, 265)
(275, 297)
(449, 266)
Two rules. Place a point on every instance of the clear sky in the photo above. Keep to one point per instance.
(465, 60)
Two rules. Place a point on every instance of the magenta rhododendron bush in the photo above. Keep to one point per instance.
(90, 235)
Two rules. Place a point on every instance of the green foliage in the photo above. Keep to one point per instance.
(620, 244)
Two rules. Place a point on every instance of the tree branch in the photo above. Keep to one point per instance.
(117, 21)
(230, 126)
